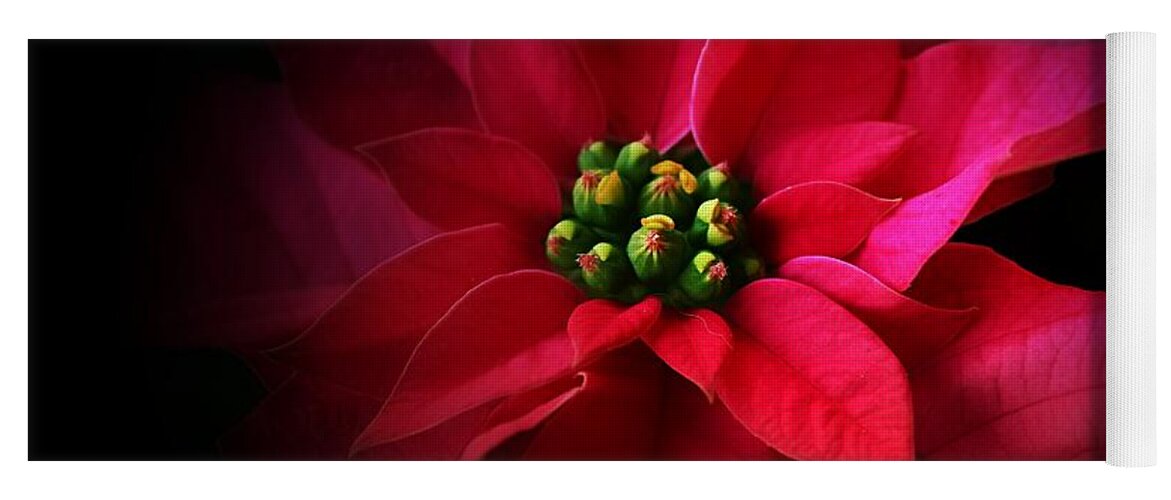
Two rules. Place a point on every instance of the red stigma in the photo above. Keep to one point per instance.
(588, 262)
(718, 271)
(590, 179)
(727, 216)
(665, 184)
(654, 241)
(554, 244)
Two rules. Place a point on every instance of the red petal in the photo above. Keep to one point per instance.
(522, 412)
(693, 343)
(504, 336)
(1026, 381)
(359, 91)
(658, 104)
(460, 178)
(913, 330)
(815, 218)
(813, 381)
(854, 153)
(600, 325)
(986, 111)
(693, 427)
(365, 339)
(614, 417)
(306, 418)
(752, 94)
(540, 94)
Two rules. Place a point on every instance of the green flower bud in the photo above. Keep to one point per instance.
(602, 199)
(717, 182)
(604, 268)
(635, 160)
(745, 267)
(657, 251)
(717, 225)
(669, 194)
(596, 156)
(567, 239)
(705, 278)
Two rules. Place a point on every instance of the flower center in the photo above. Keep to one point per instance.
(644, 223)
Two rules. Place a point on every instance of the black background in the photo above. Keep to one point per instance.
(100, 112)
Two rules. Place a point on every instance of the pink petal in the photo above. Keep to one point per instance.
(692, 427)
(614, 417)
(522, 412)
(600, 325)
(658, 103)
(986, 111)
(750, 95)
(540, 94)
(365, 339)
(811, 380)
(504, 336)
(359, 91)
(854, 153)
(913, 330)
(306, 418)
(815, 218)
(461, 178)
(1026, 381)
(694, 343)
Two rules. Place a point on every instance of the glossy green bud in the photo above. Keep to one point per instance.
(635, 160)
(604, 268)
(718, 225)
(567, 239)
(704, 279)
(657, 251)
(669, 193)
(596, 156)
(602, 199)
(717, 182)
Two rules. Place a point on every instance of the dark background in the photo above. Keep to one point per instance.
(98, 392)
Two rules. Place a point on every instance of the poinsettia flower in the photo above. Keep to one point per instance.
(870, 336)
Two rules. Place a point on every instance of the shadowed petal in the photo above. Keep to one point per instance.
(522, 412)
(614, 417)
(646, 85)
(811, 380)
(364, 340)
(504, 336)
(1026, 381)
(539, 93)
(460, 178)
(692, 427)
(355, 92)
(816, 218)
